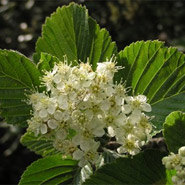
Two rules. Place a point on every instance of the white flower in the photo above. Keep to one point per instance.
(43, 113)
(53, 124)
(63, 102)
(144, 124)
(34, 125)
(86, 145)
(57, 78)
(43, 129)
(176, 162)
(82, 117)
(51, 107)
(182, 151)
(96, 127)
(78, 154)
(111, 131)
(106, 69)
(105, 105)
(82, 105)
(67, 147)
(90, 154)
(130, 144)
(115, 119)
(137, 104)
(61, 134)
(58, 115)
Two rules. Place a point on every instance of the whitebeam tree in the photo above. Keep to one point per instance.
(79, 96)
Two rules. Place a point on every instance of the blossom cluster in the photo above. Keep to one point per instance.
(176, 162)
(80, 106)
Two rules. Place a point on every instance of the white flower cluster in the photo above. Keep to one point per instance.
(82, 105)
(176, 162)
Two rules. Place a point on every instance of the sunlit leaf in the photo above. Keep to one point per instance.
(71, 32)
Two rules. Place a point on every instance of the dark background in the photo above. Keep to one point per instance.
(127, 21)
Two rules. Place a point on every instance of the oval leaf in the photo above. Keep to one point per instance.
(174, 131)
(71, 32)
(38, 145)
(144, 168)
(49, 170)
(155, 71)
(18, 75)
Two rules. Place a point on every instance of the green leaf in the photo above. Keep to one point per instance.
(174, 131)
(164, 108)
(169, 174)
(144, 168)
(49, 170)
(82, 174)
(71, 32)
(39, 145)
(18, 76)
(155, 71)
(47, 62)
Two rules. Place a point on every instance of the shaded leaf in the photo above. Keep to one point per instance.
(174, 131)
(144, 168)
(49, 170)
(18, 76)
(164, 108)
